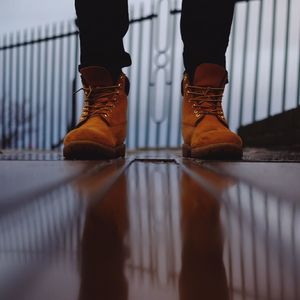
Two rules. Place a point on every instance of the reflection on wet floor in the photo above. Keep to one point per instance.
(159, 230)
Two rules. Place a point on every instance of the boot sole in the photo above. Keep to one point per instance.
(216, 151)
(86, 150)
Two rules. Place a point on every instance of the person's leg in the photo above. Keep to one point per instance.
(102, 26)
(205, 29)
(101, 131)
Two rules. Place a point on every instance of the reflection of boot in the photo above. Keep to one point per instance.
(102, 128)
(103, 252)
(203, 274)
(204, 128)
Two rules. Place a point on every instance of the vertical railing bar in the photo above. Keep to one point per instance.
(298, 76)
(3, 137)
(38, 89)
(258, 59)
(45, 95)
(150, 59)
(172, 61)
(129, 34)
(130, 46)
(17, 86)
(10, 93)
(157, 124)
(60, 86)
(244, 64)
(30, 98)
(181, 70)
(52, 91)
(286, 53)
(232, 57)
(139, 75)
(68, 79)
(1, 100)
(24, 92)
(274, 19)
(157, 131)
(179, 136)
(74, 83)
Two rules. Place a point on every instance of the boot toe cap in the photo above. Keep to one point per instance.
(215, 137)
(103, 137)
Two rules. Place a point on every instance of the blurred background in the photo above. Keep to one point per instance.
(39, 57)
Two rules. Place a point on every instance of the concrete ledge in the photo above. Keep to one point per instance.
(278, 130)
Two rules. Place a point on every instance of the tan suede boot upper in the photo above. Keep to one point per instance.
(204, 128)
(101, 131)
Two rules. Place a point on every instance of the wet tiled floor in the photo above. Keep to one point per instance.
(151, 226)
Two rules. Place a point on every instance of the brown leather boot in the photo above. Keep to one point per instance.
(204, 128)
(101, 130)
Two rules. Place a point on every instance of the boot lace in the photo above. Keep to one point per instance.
(99, 100)
(207, 100)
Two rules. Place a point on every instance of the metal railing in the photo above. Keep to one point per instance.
(39, 75)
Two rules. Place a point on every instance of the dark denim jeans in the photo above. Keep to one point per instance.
(205, 29)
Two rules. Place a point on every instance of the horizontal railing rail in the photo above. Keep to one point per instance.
(40, 40)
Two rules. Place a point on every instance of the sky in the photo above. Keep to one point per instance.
(20, 14)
